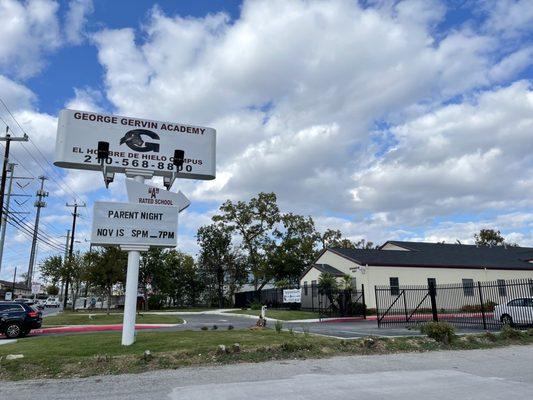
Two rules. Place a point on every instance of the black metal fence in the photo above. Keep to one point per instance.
(342, 303)
(338, 303)
(469, 304)
(272, 298)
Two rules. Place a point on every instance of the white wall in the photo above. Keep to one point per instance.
(419, 276)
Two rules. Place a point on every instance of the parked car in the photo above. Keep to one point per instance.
(18, 319)
(516, 312)
(29, 302)
(40, 304)
(52, 302)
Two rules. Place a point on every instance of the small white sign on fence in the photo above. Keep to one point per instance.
(292, 295)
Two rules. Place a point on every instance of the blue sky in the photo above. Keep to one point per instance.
(385, 119)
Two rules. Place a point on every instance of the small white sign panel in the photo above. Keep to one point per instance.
(8, 296)
(134, 224)
(35, 288)
(145, 194)
(292, 295)
(134, 144)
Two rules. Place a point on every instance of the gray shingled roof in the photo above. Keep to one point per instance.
(443, 256)
(324, 268)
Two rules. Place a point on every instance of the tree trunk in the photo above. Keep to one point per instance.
(220, 288)
(109, 292)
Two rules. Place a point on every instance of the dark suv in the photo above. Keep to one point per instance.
(18, 319)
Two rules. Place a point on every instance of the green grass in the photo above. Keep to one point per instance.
(101, 353)
(103, 319)
(285, 315)
(189, 309)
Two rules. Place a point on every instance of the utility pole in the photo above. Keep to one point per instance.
(14, 279)
(7, 215)
(39, 204)
(8, 139)
(71, 248)
(61, 293)
(11, 168)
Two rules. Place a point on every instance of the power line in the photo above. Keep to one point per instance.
(45, 170)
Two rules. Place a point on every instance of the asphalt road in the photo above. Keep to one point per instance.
(495, 374)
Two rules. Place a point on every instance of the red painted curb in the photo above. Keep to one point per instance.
(349, 319)
(96, 328)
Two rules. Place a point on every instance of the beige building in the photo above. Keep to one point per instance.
(398, 263)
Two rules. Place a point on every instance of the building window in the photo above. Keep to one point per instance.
(305, 288)
(468, 287)
(531, 287)
(314, 289)
(353, 284)
(394, 286)
(502, 289)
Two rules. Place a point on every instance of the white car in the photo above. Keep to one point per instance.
(52, 302)
(517, 311)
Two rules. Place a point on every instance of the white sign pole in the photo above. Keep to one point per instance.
(132, 286)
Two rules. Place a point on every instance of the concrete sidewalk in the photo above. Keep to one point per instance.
(496, 374)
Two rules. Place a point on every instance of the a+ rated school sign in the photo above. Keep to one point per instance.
(134, 143)
(142, 193)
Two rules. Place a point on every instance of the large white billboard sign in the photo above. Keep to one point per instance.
(134, 224)
(145, 194)
(134, 144)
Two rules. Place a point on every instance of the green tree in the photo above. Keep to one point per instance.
(106, 268)
(489, 237)
(293, 248)
(76, 270)
(218, 260)
(53, 270)
(52, 290)
(253, 222)
(152, 273)
(328, 286)
(184, 282)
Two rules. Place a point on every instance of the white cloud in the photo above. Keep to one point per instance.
(86, 100)
(28, 30)
(465, 157)
(295, 89)
(509, 18)
(76, 18)
(304, 67)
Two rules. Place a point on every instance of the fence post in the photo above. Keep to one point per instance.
(405, 306)
(432, 294)
(482, 305)
(377, 309)
(363, 298)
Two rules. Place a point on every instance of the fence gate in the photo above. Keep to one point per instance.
(342, 303)
(468, 304)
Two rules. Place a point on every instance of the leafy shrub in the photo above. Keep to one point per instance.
(278, 326)
(215, 327)
(530, 332)
(230, 327)
(488, 306)
(156, 302)
(490, 336)
(291, 347)
(204, 328)
(510, 333)
(440, 331)
(255, 305)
